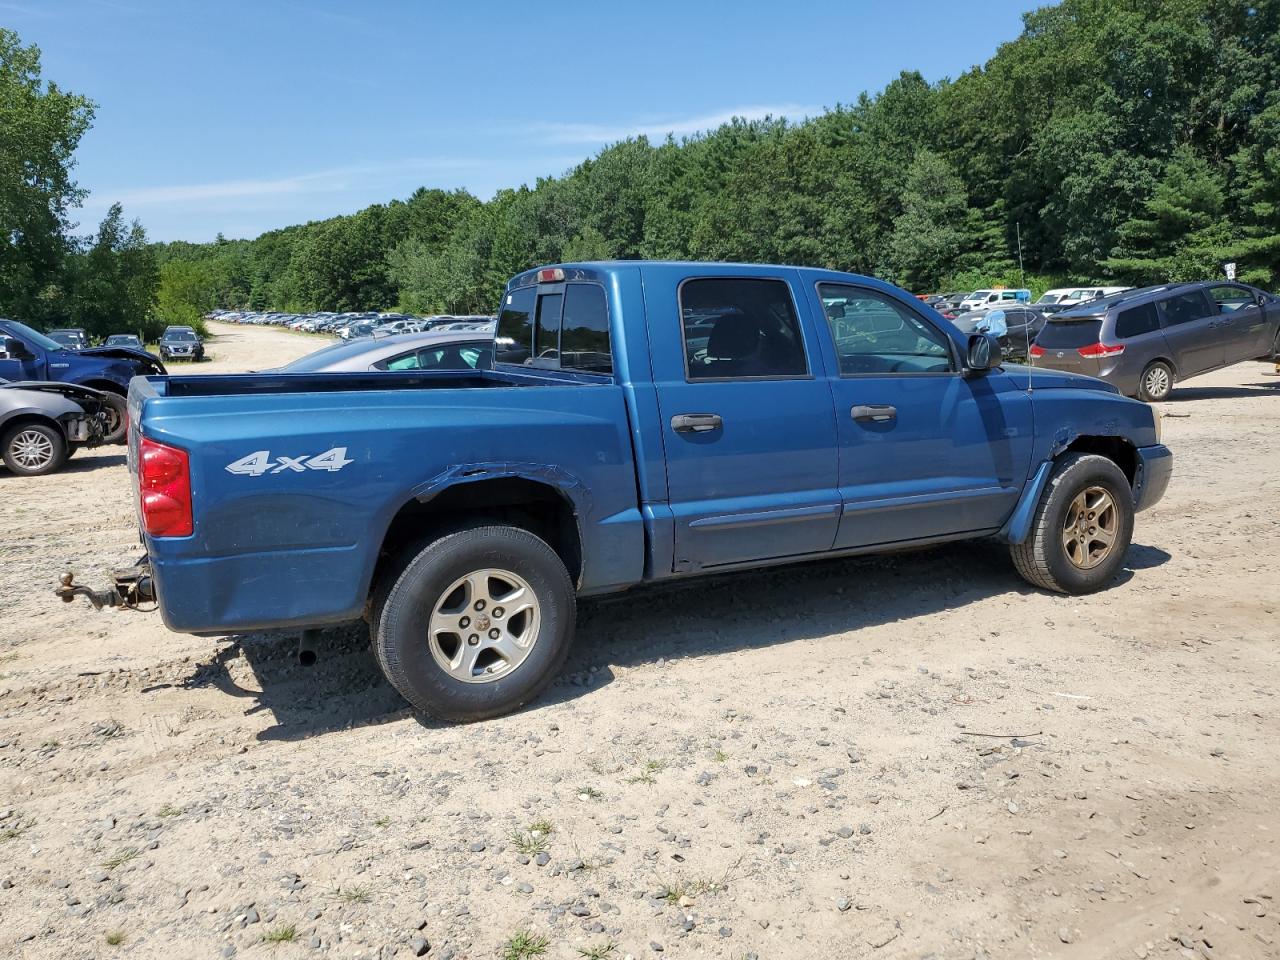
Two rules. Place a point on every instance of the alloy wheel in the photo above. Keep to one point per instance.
(1091, 526)
(484, 625)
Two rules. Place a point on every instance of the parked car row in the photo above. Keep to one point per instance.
(351, 325)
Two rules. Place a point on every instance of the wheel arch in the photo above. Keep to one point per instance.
(106, 386)
(543, 500)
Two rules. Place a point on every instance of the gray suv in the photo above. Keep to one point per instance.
(1144, 340)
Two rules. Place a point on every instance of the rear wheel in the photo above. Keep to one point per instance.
(1156, 382)
(1081, 529)
(33, 449)
(476, 623)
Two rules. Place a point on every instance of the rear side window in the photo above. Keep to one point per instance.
(1070, 334)
(514, 340)
(740, 328)
(584, 333)
(1184, 308)
(1136, 321)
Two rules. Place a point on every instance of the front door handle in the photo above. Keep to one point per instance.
(874, 412)
(696, 422)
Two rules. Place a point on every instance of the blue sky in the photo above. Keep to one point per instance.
(240, 116)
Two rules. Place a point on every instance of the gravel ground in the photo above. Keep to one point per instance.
(912, 756)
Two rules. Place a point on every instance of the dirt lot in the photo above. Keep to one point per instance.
(793, 764)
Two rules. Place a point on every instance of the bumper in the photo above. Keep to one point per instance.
(1155, 468)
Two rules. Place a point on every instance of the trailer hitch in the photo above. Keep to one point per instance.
(130, 587)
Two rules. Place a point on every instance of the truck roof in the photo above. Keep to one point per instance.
(591, 269)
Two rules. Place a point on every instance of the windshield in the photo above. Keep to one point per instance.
(179, 335)
(1049, 298)
(39, 339)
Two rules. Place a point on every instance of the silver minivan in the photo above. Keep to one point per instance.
(1145, 340)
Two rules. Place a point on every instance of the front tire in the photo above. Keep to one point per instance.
(117, 418)
(1081, 529)
(476, 624)
(33, 449)
(1156, 382)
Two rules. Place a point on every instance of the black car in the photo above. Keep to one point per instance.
(123, 340)
(73, 338)
(181, 343)
(1023, 324)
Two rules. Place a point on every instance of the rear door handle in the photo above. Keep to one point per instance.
(874, 412)
(696, 422)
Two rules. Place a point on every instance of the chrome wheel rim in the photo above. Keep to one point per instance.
(1091, 527)
(1157, 381)
(484, 625)
(31, 449)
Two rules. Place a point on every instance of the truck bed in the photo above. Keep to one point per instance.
(278, 383)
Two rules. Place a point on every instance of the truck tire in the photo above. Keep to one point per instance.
(1156, 382)
(1081, 528)
(476, 623)
(117, 417)
(33, 449)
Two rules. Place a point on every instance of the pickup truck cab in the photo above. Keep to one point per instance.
(26, 354)
(643, 422)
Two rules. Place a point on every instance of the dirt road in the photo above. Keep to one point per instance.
(812, 762)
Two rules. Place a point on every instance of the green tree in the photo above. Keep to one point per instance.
(40, 127)
(927, 235)
(113, 278)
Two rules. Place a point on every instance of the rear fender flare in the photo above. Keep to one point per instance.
(569, 486)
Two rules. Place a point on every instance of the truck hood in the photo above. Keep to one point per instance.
(1042, 379)
(125, 353)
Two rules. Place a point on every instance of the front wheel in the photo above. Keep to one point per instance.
(33, 449)
(117, 419)
(1081, 529)
(476, 624)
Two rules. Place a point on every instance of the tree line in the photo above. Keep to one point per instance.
(1133, 141)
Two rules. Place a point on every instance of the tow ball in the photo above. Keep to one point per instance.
(130, 587)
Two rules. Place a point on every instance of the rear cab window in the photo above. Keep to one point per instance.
(565, 327)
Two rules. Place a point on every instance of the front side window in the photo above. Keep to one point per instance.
(1183, 308)
(1136, 321)
(740, 328)
(1229, 299)
(875, 334)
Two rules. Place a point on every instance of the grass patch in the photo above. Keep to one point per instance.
(382, 822)
(533, 839)
(169, 810)
(121, 858)
(115, 938)
(285, 934)
(601, 951)
(589, 793)
(719, 756)
(646, 773)
(524, 945)
(353, 894)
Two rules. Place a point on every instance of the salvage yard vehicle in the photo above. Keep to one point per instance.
(26, 354)
(124, 340)
(681, 419)
(469, 348)
(181, 343)
(41, 424)
(75, 338)
(1143, 341)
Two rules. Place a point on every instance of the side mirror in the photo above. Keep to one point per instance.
(15, 349)
(983, 353)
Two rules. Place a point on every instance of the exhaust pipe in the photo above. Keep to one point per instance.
(307, 648)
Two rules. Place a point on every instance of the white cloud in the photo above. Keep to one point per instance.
(658, 129)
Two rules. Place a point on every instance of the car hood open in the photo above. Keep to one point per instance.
(125, 353)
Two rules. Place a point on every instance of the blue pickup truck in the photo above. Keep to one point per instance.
(28, 355)
(643, 422)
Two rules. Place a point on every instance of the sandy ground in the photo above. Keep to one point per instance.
(791, 764)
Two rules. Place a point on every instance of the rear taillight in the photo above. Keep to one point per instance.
(1037, 350)
(164, 483)
(1102, 350)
